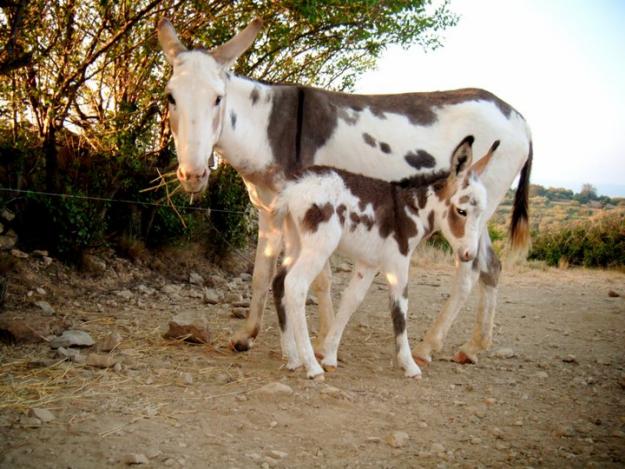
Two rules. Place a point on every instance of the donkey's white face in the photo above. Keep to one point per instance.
(465, 199)
(196, 93)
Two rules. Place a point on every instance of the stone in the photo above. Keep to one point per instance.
(233, 297)
(397, 439)
(98, 360)
(275, 454)
(110, 342)
(189, 327)
(490, 401)
(134, 458)
(275, 389)
(171, 289)
(343, 267)
(40, 291)
(542, 374)
(145, 290)
(613, 294)
(45, 307)
(187, 378)
(70, 354)
(39, 253)
(93, 264)
(196, 279)
(210, 296)
(239, 313)
(504, 353)
(565, 431)
(7, 215)
(72, 338)
(29, 422)
(32, 330)
(42, 414)
(7, 242)
(331, 391)
(570, 359)
(46, 261)
(437, 448)
(125, 294)
(19, 254)
(241, 304)
(245, 277)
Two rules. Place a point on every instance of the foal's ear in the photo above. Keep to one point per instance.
(169, 41)
(229, 52)
(462, 157)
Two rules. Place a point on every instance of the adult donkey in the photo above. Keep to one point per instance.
(268, 131)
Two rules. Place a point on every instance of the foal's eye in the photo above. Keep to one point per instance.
(171, 99)
(217, 100)
(462, 213)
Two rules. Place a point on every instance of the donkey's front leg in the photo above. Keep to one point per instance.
(267, 250)
(464, 281)
(350, 300)
(398, 281)
(490, 268)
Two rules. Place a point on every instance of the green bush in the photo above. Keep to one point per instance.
(231, 215)
(597, 242)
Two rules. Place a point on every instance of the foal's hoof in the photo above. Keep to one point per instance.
(329, 368)
(464, 359)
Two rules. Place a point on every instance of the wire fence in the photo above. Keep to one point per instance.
(139, 202)
(121, 201)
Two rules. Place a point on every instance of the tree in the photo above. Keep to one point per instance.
(92, 69)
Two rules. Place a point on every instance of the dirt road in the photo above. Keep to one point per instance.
(550, 393)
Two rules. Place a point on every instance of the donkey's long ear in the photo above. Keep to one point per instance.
(229, 52)
(462, 157)
(169, 41)
(481, 165)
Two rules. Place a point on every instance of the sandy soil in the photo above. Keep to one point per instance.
(558, 401)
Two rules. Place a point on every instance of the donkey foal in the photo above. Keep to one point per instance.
(378, 225)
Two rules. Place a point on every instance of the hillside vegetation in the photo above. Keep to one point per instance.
(570, 228)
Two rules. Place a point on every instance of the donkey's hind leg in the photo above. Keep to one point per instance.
(489, 268)
(322, 286)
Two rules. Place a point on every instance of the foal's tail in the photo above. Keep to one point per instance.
(519, 227)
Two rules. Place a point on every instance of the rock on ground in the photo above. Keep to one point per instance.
(276, 388)
(72, 339)
(110, 342)
(42, 414)
(190, 327)
(397, 439)
(31, 329)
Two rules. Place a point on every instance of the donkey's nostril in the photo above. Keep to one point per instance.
(181, 175)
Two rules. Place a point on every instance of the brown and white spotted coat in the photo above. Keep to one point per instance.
(269, 132)
(378, 224)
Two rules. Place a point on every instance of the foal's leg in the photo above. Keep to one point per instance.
(489, 268)
(322, 286)
(350, 300)
(464, 281)
(267, 250)
(398, 285)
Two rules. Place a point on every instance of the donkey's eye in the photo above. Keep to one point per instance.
(462, 213)
(170, 99)
(217, 100)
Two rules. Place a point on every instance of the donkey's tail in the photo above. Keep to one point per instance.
(519, 226)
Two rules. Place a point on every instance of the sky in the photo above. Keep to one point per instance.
(560, 63)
